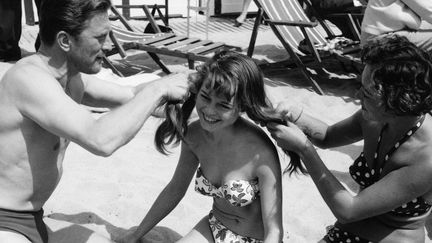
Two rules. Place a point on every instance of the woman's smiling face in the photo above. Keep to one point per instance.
(215, 110)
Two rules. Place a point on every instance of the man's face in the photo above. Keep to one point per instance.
(87, 48)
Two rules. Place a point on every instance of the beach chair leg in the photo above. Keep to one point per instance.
(306, 73)
(254, 33)
(354, 27)
(296, 59)
(188, 19)
(159, 62)
(191, 64)
(151, 19)
(311, 81)
(111, 66)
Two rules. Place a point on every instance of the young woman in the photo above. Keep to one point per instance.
(234, 160)
(394, 170)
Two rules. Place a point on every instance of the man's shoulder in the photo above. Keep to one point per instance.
(27, 70)
(24, 65)
(27, 78)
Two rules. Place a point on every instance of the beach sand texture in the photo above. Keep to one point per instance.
(109, 196)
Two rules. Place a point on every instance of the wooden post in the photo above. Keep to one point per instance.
(126, 11)
(28, 10)
(166, 12)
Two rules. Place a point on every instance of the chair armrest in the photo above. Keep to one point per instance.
(356, 15)
(356, 9)
(293, 23)
(138, 6)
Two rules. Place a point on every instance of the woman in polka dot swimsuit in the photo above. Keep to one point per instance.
(394, 171)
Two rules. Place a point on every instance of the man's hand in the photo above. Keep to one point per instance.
(176, 87)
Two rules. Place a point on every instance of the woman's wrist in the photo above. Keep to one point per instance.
(306, 148)
(298, 116)
(294, 114)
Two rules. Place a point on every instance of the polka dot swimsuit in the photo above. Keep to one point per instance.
(365, 177)
(337, 235)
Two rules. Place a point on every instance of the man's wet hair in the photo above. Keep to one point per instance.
(67, 15)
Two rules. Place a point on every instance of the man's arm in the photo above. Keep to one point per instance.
(105, 94)
(44, 101)
(102, 93)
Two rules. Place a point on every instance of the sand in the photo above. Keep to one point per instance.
(108, 196)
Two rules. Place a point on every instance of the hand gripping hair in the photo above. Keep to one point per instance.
(232, 75)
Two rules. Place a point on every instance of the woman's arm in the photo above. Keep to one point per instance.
(400, 186)
(269, 177)
(393, 190)
(322, 135)
(170, 196)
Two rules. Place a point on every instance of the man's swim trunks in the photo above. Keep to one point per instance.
(29, 224)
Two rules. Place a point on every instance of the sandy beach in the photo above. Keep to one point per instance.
(109, 196)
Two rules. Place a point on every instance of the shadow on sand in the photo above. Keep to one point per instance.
(77, 232)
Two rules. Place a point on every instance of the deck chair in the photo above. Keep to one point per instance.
(121, 36)
(170, 44)
(291, 26)
(352, 16)
(155, 8)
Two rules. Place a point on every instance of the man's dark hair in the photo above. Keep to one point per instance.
(67, 15)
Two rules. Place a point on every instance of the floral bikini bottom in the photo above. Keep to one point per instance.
(222, 234)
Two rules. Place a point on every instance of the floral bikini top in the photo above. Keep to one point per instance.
(364, 176)
(237, 192)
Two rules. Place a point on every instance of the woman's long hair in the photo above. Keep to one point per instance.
(229, 74)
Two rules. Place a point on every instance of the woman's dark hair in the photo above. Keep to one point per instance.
(230, 74)
(68, 15)
(401, 72)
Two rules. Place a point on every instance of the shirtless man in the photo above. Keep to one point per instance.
(40, 111)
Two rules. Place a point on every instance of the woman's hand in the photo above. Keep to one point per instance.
(289, 111)
(288, 137)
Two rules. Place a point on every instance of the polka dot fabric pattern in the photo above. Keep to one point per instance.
(366, 176)
(337, 235)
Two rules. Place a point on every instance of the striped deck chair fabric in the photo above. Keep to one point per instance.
(126, 36)
(292, 11)
(190, 48)
(121, 36)
(294, 29)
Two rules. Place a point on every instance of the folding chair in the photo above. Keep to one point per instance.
(121, 36)
(197, 8)
(352, 16)
(170, 44)
(291, 26)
